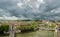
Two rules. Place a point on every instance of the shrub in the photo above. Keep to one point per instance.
(45, 25)
(4, 27)
(52, 25)
(29, 27)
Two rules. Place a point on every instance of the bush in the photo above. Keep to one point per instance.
(4, 27)
(52, 25)
(34, 24)
(29, 27)
(45, 25)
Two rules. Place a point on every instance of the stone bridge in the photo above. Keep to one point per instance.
(57, 29)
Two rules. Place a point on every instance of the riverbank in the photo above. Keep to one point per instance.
(38, 33)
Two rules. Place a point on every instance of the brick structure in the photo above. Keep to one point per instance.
(57, 30)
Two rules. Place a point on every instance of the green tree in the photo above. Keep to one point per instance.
(4, 27)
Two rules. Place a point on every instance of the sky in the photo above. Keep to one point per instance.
(29, 9)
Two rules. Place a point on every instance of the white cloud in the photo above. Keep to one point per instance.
(20, 5)
(31, 3)
(55, 11)
(4, 12)
(8, 18)
(42, 1)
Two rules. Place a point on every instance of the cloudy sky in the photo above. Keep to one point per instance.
(30, 9)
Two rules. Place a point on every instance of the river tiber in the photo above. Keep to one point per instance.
(28, 28)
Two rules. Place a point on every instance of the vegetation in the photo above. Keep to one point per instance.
(52, 25)
(29, 27)
(45, 25)
(49, 26)
(4, 27)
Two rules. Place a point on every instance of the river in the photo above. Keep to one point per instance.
(34, 34)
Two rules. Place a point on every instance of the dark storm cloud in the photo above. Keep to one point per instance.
(30, 9)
